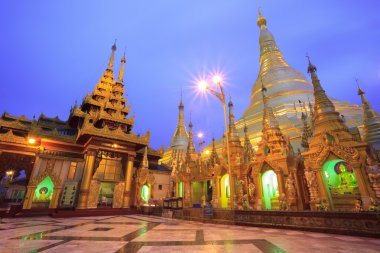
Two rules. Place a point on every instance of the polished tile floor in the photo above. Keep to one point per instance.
(138, 233)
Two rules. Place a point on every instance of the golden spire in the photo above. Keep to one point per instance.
(190, 144)
(145, 162)
(121, 71)
(248, 149)
(110, 64)
(180, 138)
(269, 120)
(322, 103)
(233, 132)
(371, 121)
(325, 116)
(214, 158)
(306, 132)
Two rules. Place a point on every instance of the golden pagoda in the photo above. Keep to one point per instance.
(177, 150)
(287, 92)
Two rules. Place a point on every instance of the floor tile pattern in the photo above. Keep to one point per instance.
(139, 233)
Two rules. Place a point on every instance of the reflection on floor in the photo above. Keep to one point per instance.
(138, 233)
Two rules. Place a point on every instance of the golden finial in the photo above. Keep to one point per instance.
(360, 91)
(261, 21)
(311, 68)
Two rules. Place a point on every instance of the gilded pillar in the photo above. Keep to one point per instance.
(323, 191)
(363, 184)
(29, 196)
(86, 179)
(280, 180)
(55, 198)
(128, 182)
(218, 192)
(258, 188)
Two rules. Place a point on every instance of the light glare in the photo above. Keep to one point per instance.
(217, 79)
(202, 85)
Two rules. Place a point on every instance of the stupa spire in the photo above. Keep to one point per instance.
(214, 158)
(232, 127)
(324, 109)
(306, 132)
(121, 71)
(112, 57)
(190, 146)
(145, 163)
(269, 120)
(371, 121)
(180, 137)
(248, 149)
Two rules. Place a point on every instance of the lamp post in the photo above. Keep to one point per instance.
(203, 86)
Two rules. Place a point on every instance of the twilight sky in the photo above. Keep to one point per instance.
(52, 53)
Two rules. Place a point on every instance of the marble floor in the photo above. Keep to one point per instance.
(138, 233)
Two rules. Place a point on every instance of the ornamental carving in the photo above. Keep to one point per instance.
(93, 197)
(47, 172)
(118, 195)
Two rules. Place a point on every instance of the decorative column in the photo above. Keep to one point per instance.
(28, 199)
(55, 198)
(280, 180)
(86, 179)
(258, 191)
(363, 183)
(323, 190)
(128, 182)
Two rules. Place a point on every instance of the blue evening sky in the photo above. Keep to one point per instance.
(53, 53)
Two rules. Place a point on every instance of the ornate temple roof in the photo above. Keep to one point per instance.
(104, 112)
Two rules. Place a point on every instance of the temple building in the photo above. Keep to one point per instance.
(304, 157)
(92, 160)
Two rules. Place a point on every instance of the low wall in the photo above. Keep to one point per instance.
(348, 223)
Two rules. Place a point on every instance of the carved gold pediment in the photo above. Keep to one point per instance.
(47, 172)
(322, 152)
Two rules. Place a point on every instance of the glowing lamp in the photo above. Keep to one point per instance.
(114, 145)
(207, 152)
(217, 79)
(31, 141)
(200, 135)
(9, 173)
(202, 85)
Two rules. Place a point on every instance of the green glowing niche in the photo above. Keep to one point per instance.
(339, 177)
(44, 190)
(180, 189)
(145, 193)
(270, 188)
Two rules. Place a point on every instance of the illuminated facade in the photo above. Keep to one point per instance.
(306, 157)
(88, 161)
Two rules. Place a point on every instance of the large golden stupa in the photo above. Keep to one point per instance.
(289, 94)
